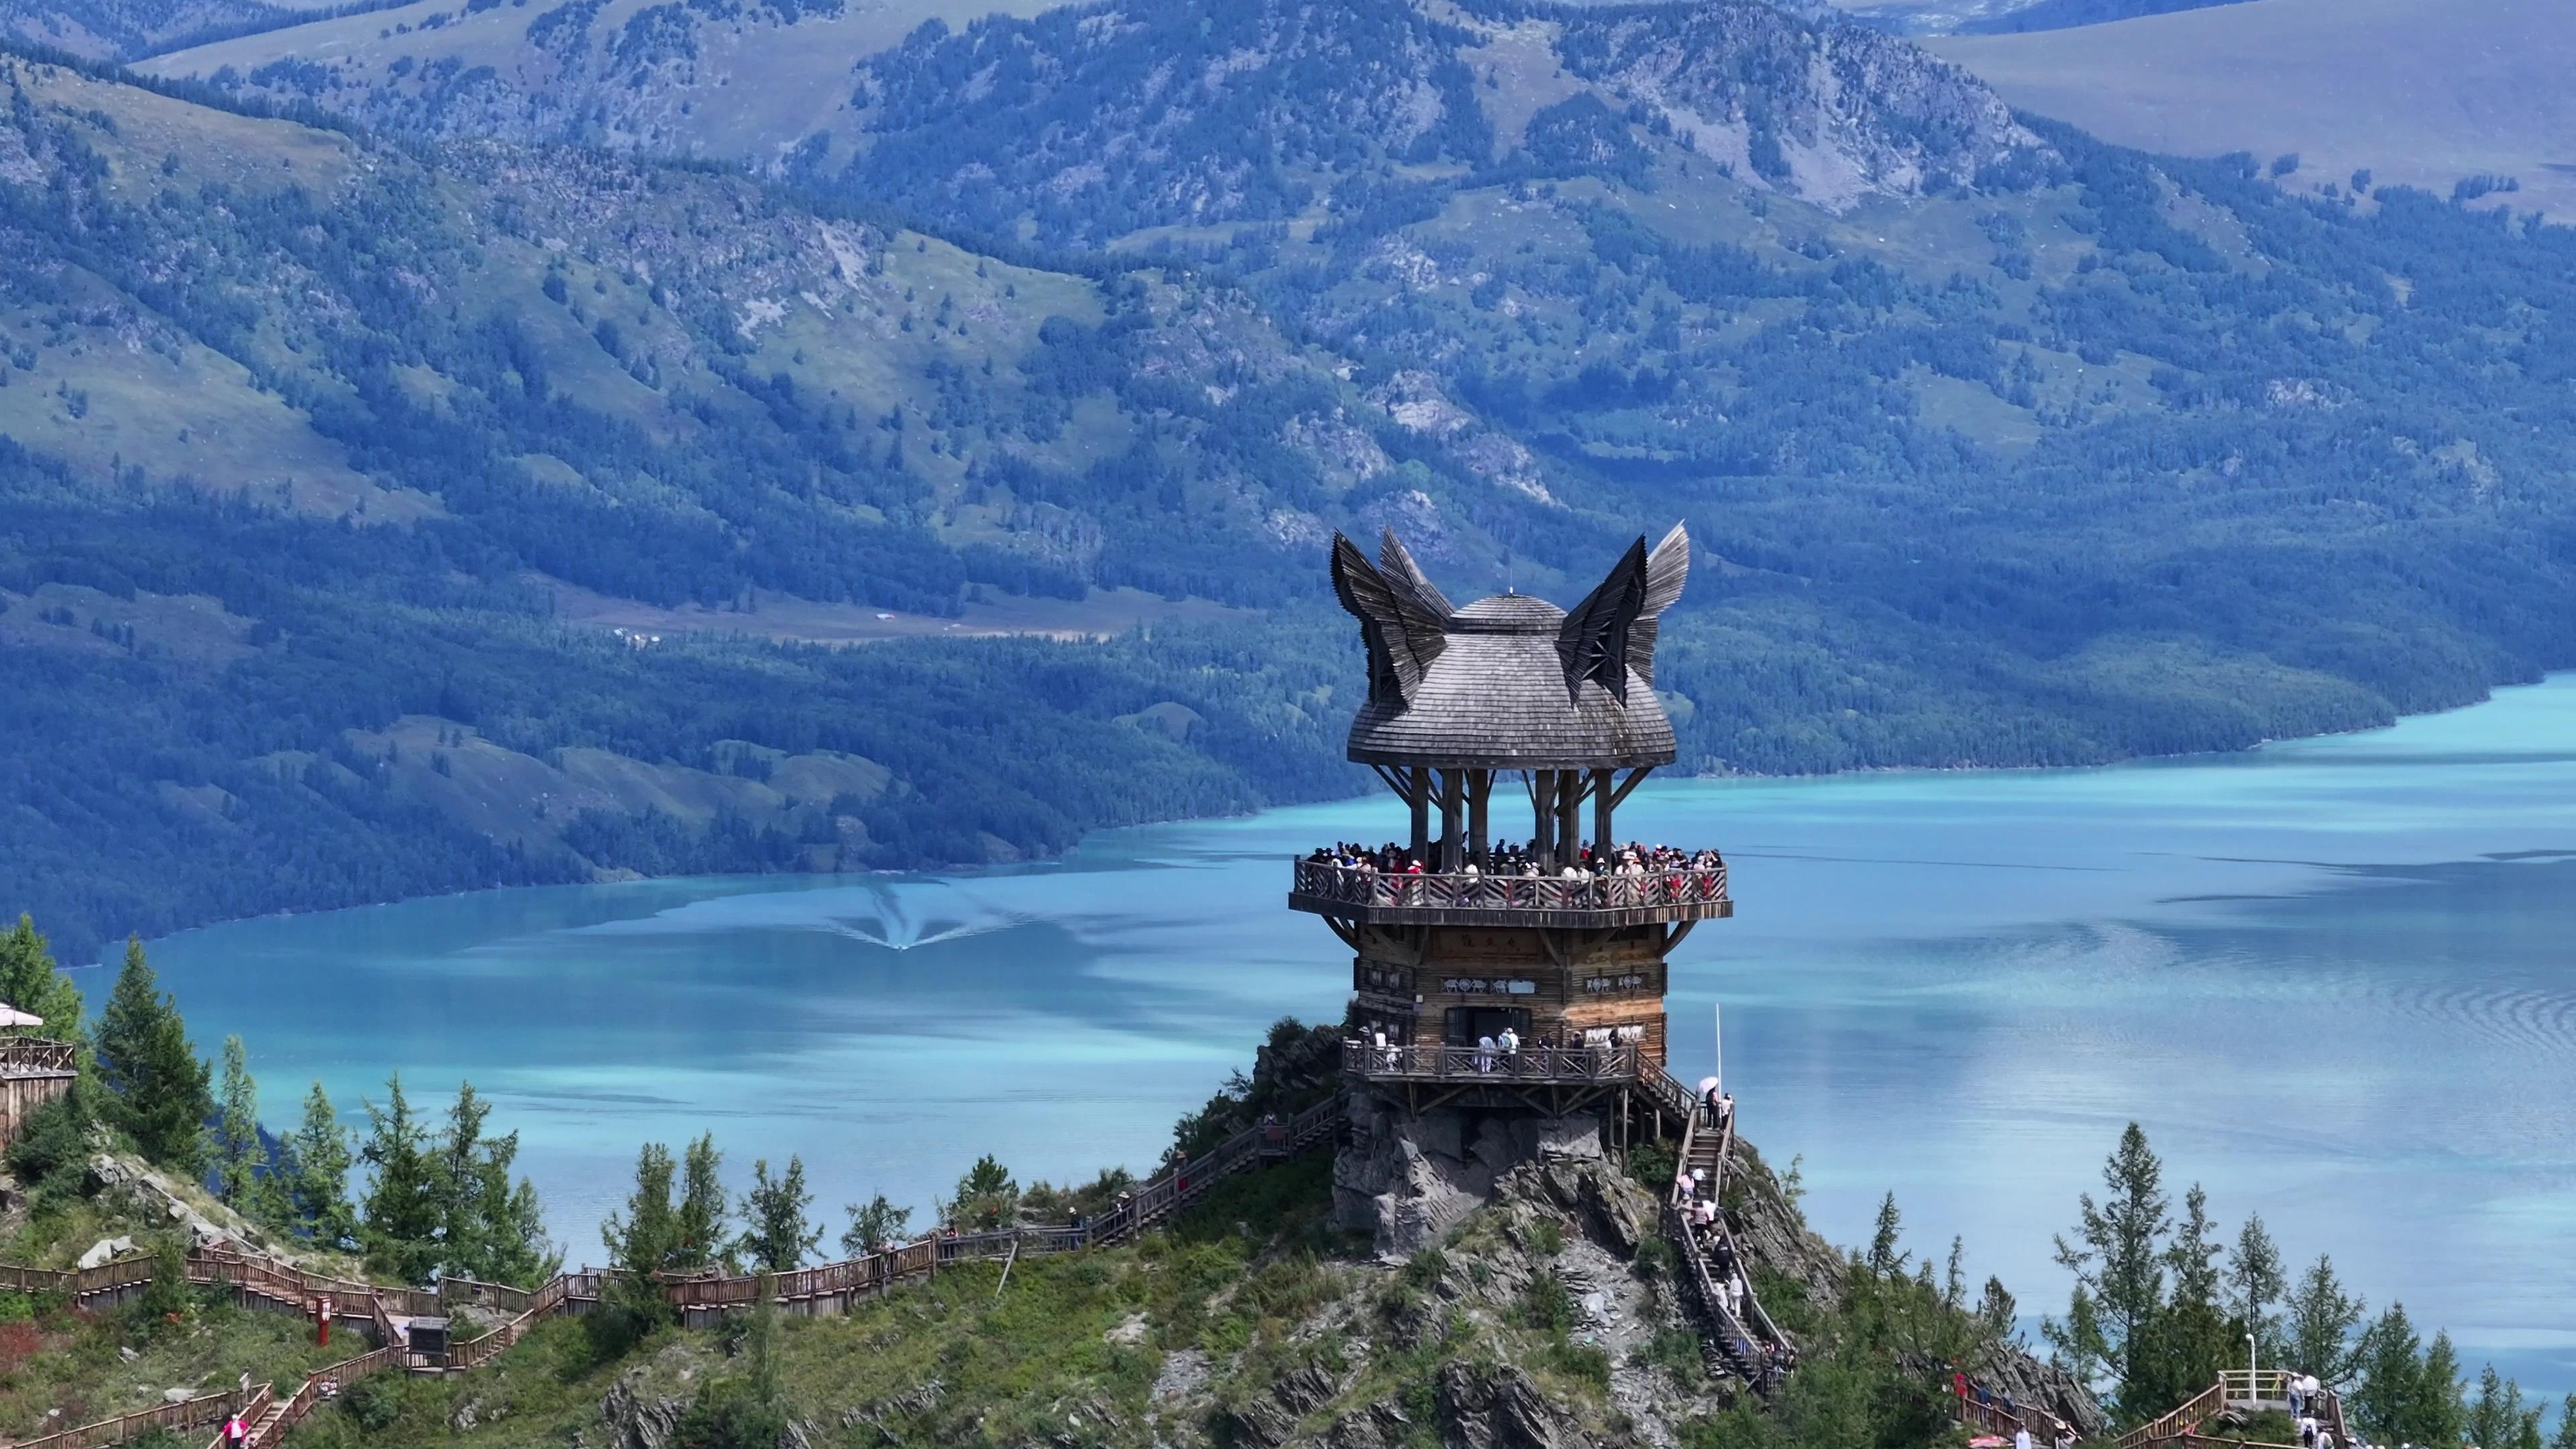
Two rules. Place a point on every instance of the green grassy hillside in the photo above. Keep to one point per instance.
(2421, 93)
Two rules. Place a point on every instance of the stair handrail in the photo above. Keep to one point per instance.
(2179, 1421)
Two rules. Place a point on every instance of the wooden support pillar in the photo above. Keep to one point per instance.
(1603, 837)
(1452, 789)
(1417, 793)
(1543, 828)
(1569, 816)
(1480, 844)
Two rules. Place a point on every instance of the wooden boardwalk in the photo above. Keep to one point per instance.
(1745, 1343)
(382, 1311)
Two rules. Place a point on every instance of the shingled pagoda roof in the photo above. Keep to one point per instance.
(1511, 682)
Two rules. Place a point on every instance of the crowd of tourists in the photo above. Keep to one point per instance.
(1508, 859)
(1507, 1053)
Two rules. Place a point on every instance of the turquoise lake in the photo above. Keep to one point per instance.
(2334, 979)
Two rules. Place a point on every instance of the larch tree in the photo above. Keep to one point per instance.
(2323, 1319)
(2193, 1332)
(704, 1209)
(2392, 1372)
(239, 1154)
(400, 1229)
(491, 1228)
(2256, 1282)
(776, 1233)
(641, 1242)
(157, 1085)
(31, 982)
(877, 1224)
(2118, 1260)
(315, 1162)
(2439, 1415)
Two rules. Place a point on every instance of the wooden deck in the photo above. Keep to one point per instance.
(1375, 898)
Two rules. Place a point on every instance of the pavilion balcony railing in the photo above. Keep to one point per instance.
(1421, 1063)
(1666, 886)
(20, 1054)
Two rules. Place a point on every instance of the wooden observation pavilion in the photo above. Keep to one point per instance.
(1552, 932)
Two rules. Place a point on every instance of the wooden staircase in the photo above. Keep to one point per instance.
(1743, 1342)
(2236, 1389)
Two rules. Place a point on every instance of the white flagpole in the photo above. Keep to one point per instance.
(1717, 1027)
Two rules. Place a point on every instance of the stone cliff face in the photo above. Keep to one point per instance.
(1407, 1180)
(1414, 1183)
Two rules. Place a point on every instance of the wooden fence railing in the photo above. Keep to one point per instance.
(1441, 1063)
(2178, 1421)
(20, 1054)
(186, 1414)
(1358, 886)
(380, 1306)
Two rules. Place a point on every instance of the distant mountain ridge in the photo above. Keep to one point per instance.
(1045, 104)
(2007, 446)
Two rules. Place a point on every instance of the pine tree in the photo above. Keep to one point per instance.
(31, 982)
(315, 1163)
(776, 1236)
(2121, 1262)
(239, 1154)
(2256, 1280)
(704, 1208)
(2322, 1320)
(401, 1227)
(157, 1085)
(2565, 1438)
(876, 1225)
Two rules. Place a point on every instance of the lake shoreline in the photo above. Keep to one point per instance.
(622, 875)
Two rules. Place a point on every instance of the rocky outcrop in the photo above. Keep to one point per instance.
(637, 1417)
(1497, 1407)
(1407, 1180)
(1271, 1419)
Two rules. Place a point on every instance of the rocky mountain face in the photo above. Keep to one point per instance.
(1095, 121)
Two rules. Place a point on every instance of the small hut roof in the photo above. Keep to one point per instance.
(12, 1016)
(1511, 682)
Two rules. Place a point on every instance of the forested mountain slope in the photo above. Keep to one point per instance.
(712, 77)
(2003, 446)
(125, 29)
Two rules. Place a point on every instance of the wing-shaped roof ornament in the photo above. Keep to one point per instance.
(1614, 629)
(1404, 630)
